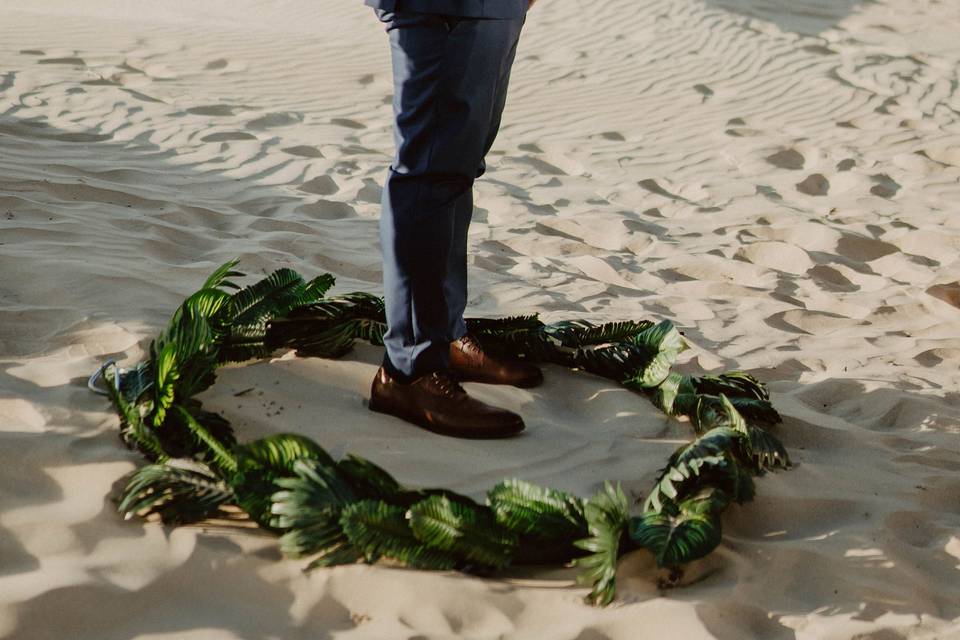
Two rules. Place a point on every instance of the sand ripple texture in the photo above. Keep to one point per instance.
(781, 178)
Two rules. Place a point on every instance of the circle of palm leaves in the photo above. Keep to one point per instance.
(350, 510)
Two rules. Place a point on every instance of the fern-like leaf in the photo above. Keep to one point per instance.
(607, 517)
(177, 491)
(467, 531)
(380, 529)
(367, 479)
(527, 509)
(219, 278)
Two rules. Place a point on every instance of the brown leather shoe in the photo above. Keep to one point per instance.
(469, 363)
(438, 403)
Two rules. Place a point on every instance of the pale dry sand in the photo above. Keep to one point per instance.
(779, 177)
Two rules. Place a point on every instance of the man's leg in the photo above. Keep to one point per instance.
(456, 283)
(449, 82)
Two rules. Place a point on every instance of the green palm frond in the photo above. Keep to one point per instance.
(732, 384)
(762, 450)
(380, 529)
(328, 328)
(682, 535)
(216, 453)
(527, 509)
(767, 452)
(279, 453)
(335, 555)
(308, 508)
(367, 479)
(581, 333)
(134, 430)
(261, 462)
(467, 531)
(274, 296)
(745, 392)
(710, 460)
(207, 303)
(219, 278)
(619, 361)
(607, 518)
(310, 497)
(492, 327)
(164, 386)
(177, 491)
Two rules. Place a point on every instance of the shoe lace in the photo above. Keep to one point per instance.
(446, 385)
(469, 343)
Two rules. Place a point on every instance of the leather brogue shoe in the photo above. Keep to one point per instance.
(469, 363)
(438, 403)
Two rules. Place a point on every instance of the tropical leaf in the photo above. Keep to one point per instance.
(335, 555)
(661, 338)
(710, 460)
(207, 303)
(619, 361)
(279, 453)
(328, 328)
(262, 461)
(219, 277)
(380, 529)
(653, 373)
(177, 491)
(164, 386)
(220, 456)
(607, 517)
(308, 507)
(690, 533)
(274, 296)
(314, 495)
(468, 531)
(134, 430)
(675, 395)
(527, 509)
(367, 479)
(325, 536)
(767, 452)
(494, 327)
(732, 384)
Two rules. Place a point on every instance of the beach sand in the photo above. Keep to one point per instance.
(780, 178)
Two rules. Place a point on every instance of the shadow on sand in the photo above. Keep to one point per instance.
(807, 17)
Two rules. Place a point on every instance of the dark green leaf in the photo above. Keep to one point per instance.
(467, 531)
(379, 529)
(607, 516)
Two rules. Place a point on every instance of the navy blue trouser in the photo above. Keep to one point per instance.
(450, 79)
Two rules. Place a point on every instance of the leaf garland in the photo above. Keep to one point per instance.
(349, 510)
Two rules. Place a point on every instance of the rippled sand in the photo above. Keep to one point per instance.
(781, 178)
